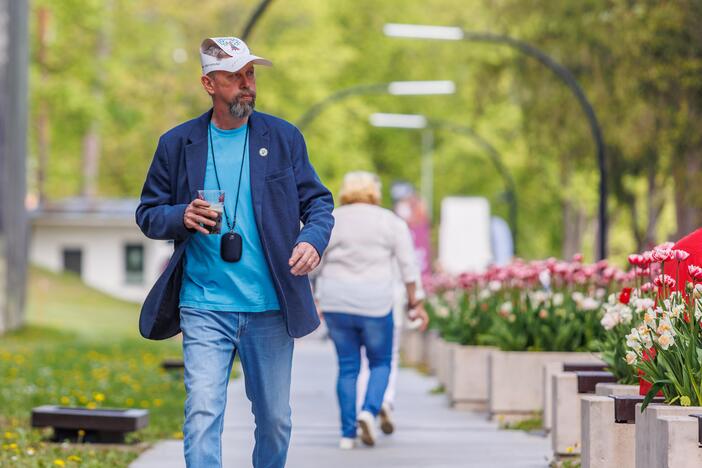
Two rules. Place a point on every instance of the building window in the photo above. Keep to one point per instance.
(73, 261)
(134, 263)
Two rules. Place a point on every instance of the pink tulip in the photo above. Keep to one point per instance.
(695, 272)
(662, 255)
(680, 255)
(664, 280)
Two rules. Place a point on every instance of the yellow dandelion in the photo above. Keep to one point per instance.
(158, 402)
(59, 462)
(13, 446)
(129, 401)
(10, 435)
(81, 432)
(178, 435)
(65, 400)
(99, 397)
(144, 404)
(74, 458)
(91, 405)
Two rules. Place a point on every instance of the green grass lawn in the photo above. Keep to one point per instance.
(82, 348)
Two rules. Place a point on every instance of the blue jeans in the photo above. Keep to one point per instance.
(350, 332)
(210, 341)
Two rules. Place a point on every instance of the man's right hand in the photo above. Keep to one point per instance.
(197, 213)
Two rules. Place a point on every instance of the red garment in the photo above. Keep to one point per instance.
(692, 244)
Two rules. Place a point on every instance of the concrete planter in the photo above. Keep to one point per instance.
(412, 347)
(431, 349)
(666, 437)
(605, 443)
(516, 380)
(468, 378)
(551, 368)
(443, 365)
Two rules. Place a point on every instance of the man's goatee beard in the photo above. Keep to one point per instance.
(240, 110)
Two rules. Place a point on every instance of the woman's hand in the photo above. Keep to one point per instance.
(419, 313)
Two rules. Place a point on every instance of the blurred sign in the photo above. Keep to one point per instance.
(464, 235)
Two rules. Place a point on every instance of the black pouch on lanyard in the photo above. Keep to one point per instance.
(230, 247)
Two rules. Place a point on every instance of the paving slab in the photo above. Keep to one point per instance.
(428, 432)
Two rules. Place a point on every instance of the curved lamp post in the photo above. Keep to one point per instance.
(427, 128)
(253, 19)
(458, 34)
(397, 88)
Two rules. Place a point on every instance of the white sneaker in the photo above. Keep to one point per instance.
(366, 423)
(347, 443)
(386, 423)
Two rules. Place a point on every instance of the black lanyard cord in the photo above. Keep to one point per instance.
(241, 171)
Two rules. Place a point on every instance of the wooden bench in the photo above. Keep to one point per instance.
(588, 380)
(625, 407)
(584, 366)
(699, 427)
(101, 425)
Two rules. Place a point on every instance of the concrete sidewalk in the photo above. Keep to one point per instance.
(428, 434)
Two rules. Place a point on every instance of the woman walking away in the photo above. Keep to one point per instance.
(354, 287)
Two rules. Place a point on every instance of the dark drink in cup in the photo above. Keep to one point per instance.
(216, 200)
(217, 228)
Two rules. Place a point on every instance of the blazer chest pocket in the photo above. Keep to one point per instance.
(281, 174)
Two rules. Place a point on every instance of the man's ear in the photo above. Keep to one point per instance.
(208, 83)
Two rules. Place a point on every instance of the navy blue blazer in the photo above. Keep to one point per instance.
(285, 190)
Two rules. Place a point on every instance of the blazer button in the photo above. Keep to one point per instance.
(263, 152)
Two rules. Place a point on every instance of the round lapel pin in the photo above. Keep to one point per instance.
(263, 152)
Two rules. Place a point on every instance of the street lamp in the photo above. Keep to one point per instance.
(395, 88)
(415, 122)
(452, 33)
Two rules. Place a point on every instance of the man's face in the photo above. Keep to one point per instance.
(235, 89)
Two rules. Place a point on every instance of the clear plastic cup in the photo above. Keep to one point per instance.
(216, 200)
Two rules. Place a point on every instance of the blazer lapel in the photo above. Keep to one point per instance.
(259, 150)
(196, 154)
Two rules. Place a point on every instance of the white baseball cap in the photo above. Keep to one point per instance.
(227, 53)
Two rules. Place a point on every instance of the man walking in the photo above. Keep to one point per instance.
(243, 289)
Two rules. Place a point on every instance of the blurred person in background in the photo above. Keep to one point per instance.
(354, 288)
(409, 206)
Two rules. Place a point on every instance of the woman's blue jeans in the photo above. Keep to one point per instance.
(350, 332)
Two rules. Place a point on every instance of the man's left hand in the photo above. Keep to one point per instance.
(304, 259)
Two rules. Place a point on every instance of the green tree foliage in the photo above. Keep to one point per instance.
(638, 61)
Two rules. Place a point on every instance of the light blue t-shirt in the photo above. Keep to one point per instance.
(209, 282)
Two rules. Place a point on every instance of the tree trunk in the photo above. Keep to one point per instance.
(43, 16)
(92, 141)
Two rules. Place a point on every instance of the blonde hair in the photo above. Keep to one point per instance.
(360, 187)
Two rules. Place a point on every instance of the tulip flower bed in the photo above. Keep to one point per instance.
(545, 305)
(664, 342)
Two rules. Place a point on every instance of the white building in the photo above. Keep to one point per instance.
(100, 241)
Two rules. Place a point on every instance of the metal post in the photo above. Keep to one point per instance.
(253, 19)
(566, 77)
(427, 176)
(13, 146)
